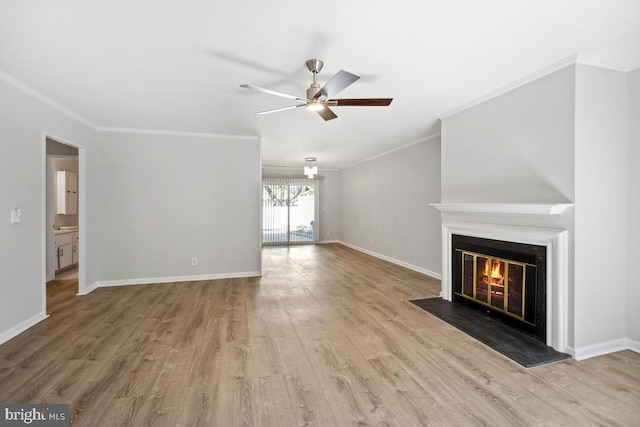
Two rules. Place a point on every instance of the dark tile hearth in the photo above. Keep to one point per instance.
(516, 345)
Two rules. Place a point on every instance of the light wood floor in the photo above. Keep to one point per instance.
(326, 337)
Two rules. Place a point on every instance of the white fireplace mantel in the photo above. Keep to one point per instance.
(504, 208)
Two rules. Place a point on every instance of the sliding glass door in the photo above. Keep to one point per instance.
(288, 211)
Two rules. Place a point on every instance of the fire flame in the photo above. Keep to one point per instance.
(495, 270)
(495, 275)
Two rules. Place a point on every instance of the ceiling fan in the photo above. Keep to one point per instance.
(319, 99)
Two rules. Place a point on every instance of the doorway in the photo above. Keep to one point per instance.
(64, 214)
(289, 211)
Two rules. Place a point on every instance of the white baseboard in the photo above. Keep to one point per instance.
(22, 326)
(634, 345)
(328, 241)
(92, 287)
(394, 261)
(589, 351)
(151, 280)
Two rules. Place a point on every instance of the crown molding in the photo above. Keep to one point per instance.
(28, 90)
(556, 66)
(577, 58)
(176, 133)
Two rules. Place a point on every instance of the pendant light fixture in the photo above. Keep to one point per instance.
(311, 169)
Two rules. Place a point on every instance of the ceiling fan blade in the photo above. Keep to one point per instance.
(362, 102)
(272, 92)
(275, 110)
(327, 114)
(339, 82)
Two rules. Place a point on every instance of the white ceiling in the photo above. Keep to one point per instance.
(177, 66)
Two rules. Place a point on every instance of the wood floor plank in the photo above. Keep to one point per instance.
(326, 337)
(305, 391)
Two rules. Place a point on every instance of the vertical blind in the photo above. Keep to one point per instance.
(289, 210)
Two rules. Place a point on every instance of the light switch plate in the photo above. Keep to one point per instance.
(16, 215)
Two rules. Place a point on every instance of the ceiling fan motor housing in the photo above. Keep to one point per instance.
(313, 89)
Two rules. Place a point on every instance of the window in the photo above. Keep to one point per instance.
(289, 210)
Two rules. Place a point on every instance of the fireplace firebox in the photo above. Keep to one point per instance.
(504, 279)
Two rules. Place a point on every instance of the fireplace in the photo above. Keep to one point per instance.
(504, 279)
(554, 240)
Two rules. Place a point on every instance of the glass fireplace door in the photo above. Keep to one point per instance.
(494, 282)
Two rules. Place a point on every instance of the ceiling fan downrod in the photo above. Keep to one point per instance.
(314, 65)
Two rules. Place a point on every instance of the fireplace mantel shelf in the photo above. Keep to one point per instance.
(504, 208)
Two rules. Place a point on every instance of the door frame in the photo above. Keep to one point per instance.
(82, 214)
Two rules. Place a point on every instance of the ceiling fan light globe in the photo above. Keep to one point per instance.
(315, 106)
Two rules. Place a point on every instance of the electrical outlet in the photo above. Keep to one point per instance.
(194, 261)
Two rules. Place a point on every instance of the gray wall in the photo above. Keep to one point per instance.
(385, 206)
(601, 198)
(517, 147)
(329, 198)
(165, 199)
(23, 119)
(633, 160)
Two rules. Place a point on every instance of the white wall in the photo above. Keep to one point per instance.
(23, 119)
(329, 198)
(167, 198)
(385, 206)
(601, 206)
(633, 160)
